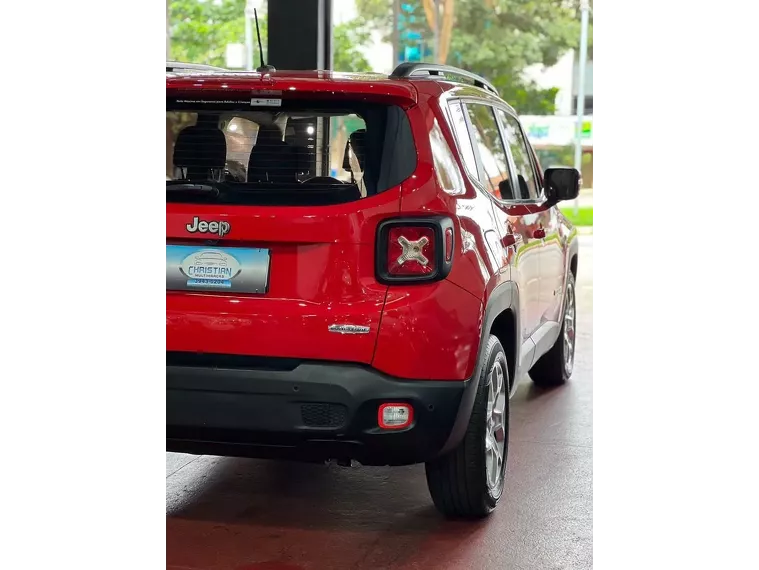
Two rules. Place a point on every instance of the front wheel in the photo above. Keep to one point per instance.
(555, 367)
(468, 481)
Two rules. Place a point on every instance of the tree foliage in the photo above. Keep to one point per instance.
(347, 39)
(495, 38)
(201, 30)
(499, 39)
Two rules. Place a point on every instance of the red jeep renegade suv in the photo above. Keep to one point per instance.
(360, 268)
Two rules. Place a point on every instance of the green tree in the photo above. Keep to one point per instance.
(499, 39)
(347, 38)
(201, 30)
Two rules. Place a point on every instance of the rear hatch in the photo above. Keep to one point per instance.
(272, 209)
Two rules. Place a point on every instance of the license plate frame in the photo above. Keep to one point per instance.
(217, 269)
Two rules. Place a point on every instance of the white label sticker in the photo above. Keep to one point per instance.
(266, 102)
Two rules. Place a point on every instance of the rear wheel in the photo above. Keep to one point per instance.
(468, 481)
(555, 366)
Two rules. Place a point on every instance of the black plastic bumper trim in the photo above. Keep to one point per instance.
(259, 413)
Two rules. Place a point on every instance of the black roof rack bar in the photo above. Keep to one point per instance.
(405, 70)
(179, 66)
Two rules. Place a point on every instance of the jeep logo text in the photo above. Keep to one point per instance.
(200, 226)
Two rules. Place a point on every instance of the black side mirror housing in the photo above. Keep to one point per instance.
(562, 184)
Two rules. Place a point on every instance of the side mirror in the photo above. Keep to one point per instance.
(561, 184)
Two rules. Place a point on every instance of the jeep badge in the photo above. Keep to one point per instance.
(203, 227)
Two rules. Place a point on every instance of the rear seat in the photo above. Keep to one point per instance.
(272, 159)
(201, 150)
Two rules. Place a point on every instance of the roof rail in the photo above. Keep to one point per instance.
(409, 69)
(179, 66)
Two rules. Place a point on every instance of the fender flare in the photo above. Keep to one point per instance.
(573, 249)
(504, 296)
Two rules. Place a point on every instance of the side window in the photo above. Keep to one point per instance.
(461, 132)
(492, 153)
(521, 153)
(446, 167)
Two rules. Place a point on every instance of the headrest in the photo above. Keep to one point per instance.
(523, 187)
(357, 142)
(504, 188)
(268, 134)
(201, 146)
(272, 159)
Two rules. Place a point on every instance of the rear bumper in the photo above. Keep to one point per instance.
(310, 411)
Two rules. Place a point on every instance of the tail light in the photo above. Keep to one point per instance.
(414, 250)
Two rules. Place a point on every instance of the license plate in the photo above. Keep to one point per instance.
(217, 269)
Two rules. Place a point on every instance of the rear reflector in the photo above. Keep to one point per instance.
(448, 244)
(395, 416)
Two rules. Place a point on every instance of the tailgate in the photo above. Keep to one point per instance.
(272, 209)
(314, 275)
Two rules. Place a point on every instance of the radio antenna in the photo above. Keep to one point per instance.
(264, 68)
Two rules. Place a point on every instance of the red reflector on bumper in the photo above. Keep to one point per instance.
(395, 416)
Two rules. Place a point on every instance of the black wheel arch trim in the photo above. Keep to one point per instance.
(504, 297)
(573, 250)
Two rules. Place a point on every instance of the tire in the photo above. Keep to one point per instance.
(555, 367)
(459, 482)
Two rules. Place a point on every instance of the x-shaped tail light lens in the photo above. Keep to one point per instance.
(411, 251)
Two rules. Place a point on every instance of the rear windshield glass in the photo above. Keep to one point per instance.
(296, 153)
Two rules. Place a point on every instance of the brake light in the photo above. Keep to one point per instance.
(411, 250)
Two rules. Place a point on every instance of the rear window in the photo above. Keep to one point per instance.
(297, 153)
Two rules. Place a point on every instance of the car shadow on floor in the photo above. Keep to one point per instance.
(247, 491)
(533, 392)
(345, 517)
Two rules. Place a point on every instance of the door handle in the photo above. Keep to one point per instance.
(540, 233)
(511, 240)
